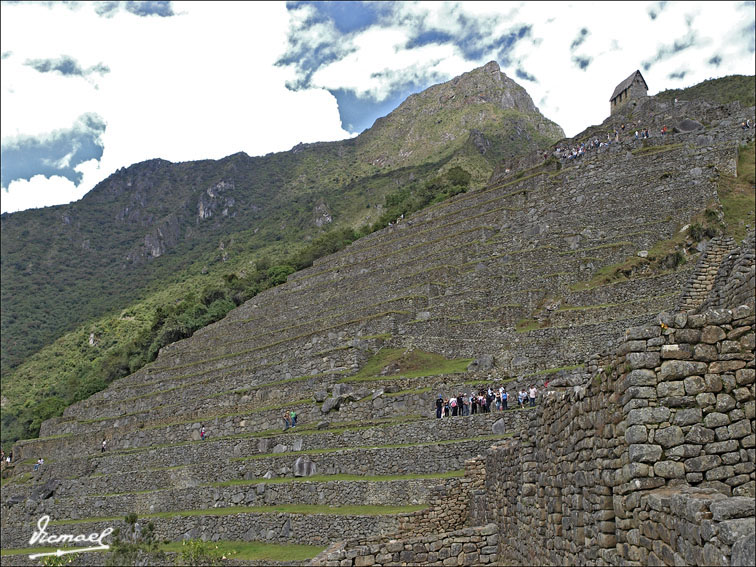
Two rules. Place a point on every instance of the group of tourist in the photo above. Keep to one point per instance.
(290, 419)
(485, 401)
(577, 151)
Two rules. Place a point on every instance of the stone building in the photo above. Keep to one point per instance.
(633, 87)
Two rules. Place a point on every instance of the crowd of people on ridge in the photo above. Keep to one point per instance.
(577, 151)
(485, 401)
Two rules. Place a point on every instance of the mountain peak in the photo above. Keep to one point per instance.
(426, 123)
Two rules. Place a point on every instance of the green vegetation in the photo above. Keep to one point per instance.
(130, 544)
(716, 91)
(355, 510)
(737, 195)
(92, 290)
(390, 363)
(127, 347)
(240, 551)
(525, 325)
(197, 552)
(341, 477)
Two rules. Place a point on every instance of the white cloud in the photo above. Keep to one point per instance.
(199, 85)
(39, 191)
(576, 99)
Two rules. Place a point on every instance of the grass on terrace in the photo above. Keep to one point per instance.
(356, 510)
(342, 477)
(255, 551)
(396, 362)
(371, 447)
(238, 550)
(737, 195)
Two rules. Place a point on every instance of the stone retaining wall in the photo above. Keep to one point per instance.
(674, 408)
(690, 526)
(468, 546)
(312, 529)
(324, 493)
(386, 406)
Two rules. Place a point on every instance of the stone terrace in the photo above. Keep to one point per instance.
(491, 272)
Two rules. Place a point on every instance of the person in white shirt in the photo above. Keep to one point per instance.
(532, 395)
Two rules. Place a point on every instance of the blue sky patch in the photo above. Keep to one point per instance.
(429, 37)
(524, 75)
(582, 62)
(55, 154)
(347, 17)
(65, 65)
(715, 61)
(358, 114)
(667, 51)
(579, 39)
(161, 8)
(150, 8)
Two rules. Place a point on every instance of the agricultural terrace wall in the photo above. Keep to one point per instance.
(274, 527)
(186, 428)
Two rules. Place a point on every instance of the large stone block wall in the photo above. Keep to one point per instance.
(692, 526)
(551, 486)
(434, 536)
(673, 410)
(467, 546)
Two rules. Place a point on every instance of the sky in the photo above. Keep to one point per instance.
(87, 88)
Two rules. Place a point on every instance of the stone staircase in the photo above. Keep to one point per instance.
(705, 273)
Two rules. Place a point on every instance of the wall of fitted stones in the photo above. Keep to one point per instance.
(434, 536)
(692, 526)
(551, 486)
(448, 505)
(674, 409)
(467, 546)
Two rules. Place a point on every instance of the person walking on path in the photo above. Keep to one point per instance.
(532, 395)
(202, 433)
